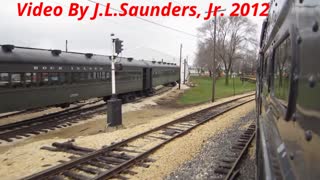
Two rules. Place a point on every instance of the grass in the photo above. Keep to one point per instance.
(202, 92)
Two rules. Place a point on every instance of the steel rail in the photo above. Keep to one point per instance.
(52, 121)
(233, 172)
(45, 123)
(114, 171)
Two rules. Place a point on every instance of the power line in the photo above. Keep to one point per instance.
(149, 21)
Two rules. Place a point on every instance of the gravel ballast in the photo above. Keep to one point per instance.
(202, 166)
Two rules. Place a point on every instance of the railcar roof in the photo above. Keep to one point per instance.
(45, 56)
(24, 55)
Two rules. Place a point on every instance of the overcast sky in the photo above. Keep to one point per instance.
(142, 40)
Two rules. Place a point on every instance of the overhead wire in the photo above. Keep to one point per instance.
(143, 19)
(149, 21)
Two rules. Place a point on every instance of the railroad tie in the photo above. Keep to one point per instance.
(220, 170)
(229, 160)
(126, 150)
(232, 156)
(88, 170)
(7, 139)
(240, 144)
(99, 164)
(149, 160)
(123, 156)
(74, 175)
(237, 147)
(113, 160)
(62, 161)
(130, 172)
(170, 132)
(57, 177)
(143, 165)
(34, 132)
(158, 137)
(121, 177)
(19, 137)
(49, 149)
(225, 165)
(245, 136)
(242, 141)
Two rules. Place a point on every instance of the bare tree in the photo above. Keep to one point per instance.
(247, 63)
(204, 57)
(234, 35)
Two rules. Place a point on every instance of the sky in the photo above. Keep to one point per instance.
(142, 40)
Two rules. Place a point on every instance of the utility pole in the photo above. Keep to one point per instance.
(184, 72)
(214, 61)
(66, 45)
(180, 66)
(234, 88)
(214, 57)
(114, 104)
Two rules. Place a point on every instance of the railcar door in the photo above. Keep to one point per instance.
(147, 79)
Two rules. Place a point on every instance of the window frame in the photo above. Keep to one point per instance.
(291, 33)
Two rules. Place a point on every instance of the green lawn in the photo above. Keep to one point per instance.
(202, 92)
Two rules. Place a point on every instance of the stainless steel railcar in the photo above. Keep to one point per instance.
(32, 78)
(288, 92)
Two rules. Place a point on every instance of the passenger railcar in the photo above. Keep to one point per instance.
(288, 92)
(32, 78)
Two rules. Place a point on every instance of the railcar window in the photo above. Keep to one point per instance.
(62, 77)
(15, 78)
(98, 75)
(90, 75)
(69, 77)
(265, 72)
(103, 75)
(28, 78)
(4, 79)
(76, 77)
(83, 76)
(282, 69)
(44, 78)
(94, 75)
(38, 78)
(34, 78)
(54, 78)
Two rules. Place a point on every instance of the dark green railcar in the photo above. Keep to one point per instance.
(32, 78)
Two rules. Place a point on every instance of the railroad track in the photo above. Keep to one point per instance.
(9, 115)
(113, 160)
(53, 121)
(49, 122)
(228, 165)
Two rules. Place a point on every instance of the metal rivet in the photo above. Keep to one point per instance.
(299, 39)
(294, 117)
(315, 27)
(276, 4)
(291, 156)
(312, 81)
(308, 135)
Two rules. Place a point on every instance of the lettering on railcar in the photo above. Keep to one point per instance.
(74, 95)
